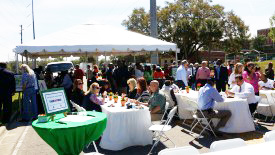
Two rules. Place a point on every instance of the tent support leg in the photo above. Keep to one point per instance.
(17, 64)
(176, 53)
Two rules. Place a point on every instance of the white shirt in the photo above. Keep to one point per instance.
(138, 73)
(182, 75)
(268, 84)
(247, 91)
(232, 79)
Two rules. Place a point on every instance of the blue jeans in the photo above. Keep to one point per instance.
(29, 104)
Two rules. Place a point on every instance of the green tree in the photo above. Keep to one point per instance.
(271, 34)
(259, 42)
(235, 34)
(191, 24)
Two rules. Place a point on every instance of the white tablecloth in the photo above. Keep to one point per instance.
(125, 127)
(252, 149)
(240, 121)
(264, 110)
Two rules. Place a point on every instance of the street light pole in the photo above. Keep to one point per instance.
(153, 28)
(33, 22)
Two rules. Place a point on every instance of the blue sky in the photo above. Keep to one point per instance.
(55, 15)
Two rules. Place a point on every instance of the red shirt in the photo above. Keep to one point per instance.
(78, 74)
(158, 75)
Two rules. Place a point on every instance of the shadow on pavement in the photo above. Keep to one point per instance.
(134, 150)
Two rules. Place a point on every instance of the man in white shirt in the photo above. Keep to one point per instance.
(266, 83)
(182, 75)
(245, 91)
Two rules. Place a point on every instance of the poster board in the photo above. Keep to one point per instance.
(42, 85)
(18, 83)
(54, 101)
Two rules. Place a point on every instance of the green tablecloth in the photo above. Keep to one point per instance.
(71, 138)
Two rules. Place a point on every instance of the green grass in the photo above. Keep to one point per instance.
(264, 64)
(15, 102)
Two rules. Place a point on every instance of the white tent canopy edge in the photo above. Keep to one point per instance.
(92, 39)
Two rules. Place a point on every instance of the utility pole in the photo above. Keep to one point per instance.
(33, 22)
(153, 28)
(21, 33)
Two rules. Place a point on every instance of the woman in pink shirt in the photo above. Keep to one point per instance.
(251, 76)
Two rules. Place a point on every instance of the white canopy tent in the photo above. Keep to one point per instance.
(92, 39)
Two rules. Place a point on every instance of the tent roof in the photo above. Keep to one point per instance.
(93, 39)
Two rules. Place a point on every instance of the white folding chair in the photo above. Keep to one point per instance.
(186, 150)
(165, 112)
(227, 144)
(191, 108)
(204, 122)
(265, 103)
(77, 107)
(269, 136)
(161, 129)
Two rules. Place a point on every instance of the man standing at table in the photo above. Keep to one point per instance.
(207, 97)
(244, 90)
(221, 76)
(182, 75)
(203, 73)
(156, 102)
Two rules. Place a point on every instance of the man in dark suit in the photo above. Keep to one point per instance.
(7, 90)
(221, 76)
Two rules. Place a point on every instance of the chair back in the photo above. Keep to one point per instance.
(165, 111)
(171, 115)
(269, 136)
(193, 105)
(227, 144)
(188, 150)
(77, 107)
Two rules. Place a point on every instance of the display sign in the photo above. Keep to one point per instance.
(54, 101)
(18, 83)
(42, 85)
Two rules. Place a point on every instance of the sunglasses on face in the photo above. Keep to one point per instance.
(80, 83)
(97, 87)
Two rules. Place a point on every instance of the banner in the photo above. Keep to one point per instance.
(54, 101)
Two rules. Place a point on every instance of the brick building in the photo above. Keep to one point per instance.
(264, 32)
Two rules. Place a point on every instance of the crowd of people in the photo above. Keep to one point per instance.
(149, 85)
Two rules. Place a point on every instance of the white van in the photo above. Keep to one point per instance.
(59, 66)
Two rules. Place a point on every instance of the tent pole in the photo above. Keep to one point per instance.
(27, 61)
(176, 53)
(86, 57)
(97, 60)
(22, 58)
(157, 57)
(34, 62)
(17, 64)
(134, 58)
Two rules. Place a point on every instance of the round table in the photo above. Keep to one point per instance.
(72, 137)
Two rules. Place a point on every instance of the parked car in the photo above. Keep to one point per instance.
(59, 66)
